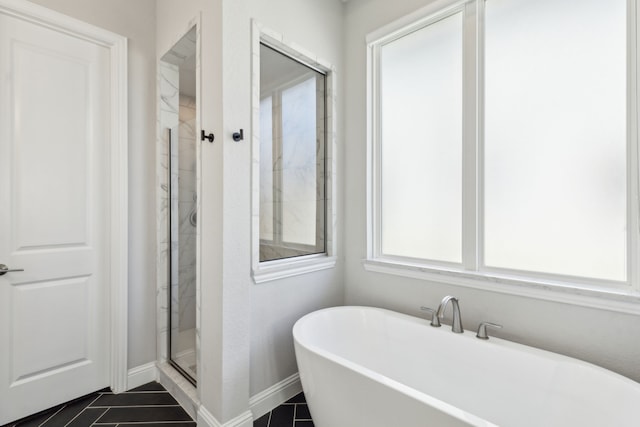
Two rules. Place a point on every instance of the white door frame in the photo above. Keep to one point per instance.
(118, 164)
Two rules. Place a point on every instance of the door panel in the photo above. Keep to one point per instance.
(42, 80)
(54, 222)
(62, 339)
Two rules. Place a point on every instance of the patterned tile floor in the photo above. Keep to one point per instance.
(293, 413)
(149, 405)
(146, 405)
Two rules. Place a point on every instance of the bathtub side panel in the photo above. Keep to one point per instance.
(339, 396)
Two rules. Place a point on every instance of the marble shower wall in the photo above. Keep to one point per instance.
(187, 217)
(178, 113)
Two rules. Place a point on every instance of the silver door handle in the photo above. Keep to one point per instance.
(4, 269)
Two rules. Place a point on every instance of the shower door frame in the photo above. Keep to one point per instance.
(175, 365)
(163, 283)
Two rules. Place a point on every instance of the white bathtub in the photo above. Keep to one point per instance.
(370, 367)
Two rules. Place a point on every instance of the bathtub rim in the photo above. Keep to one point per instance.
(410, 392)
(440, 405)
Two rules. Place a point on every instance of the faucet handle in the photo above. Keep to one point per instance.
(482, 330)
(435, 320)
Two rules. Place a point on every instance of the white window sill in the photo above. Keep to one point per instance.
(614, 299)
(280, 269)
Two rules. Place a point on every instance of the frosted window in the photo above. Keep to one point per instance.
(266, 169)
(555, 141)
(421, 142)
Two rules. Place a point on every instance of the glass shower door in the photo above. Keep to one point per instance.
(183, 227)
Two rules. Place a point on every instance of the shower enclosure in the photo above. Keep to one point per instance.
(178, 118)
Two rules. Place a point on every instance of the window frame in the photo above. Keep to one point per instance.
(265, 271)
(619, 296)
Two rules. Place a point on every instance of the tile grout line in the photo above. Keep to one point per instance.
(83, 409)
(133, 392)
(53, 415)
(105, 411)
(295, 411)
(102, 415)
(137, 406)
(145, 423)
(156, 399)
(140, 392)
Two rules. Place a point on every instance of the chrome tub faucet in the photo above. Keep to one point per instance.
(457, 321)
(438, 314)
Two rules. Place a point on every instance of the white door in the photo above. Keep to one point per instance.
(54, 217)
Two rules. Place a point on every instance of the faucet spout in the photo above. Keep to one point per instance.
(457, 321)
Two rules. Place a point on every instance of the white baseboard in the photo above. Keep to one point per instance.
(275, 395)
(205, 418)
(142, 374)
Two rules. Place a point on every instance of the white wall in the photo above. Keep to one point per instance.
(136, 21)
(602, 337)
(245, 336)
(317, 27)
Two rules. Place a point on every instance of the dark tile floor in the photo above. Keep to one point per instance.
(292, 413)
(149, 405)
(146, 405)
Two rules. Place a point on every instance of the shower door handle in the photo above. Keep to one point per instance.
(4, 269)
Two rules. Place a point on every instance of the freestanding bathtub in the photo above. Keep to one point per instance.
(369, 367)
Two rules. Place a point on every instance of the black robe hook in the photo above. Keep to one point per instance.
(238, 136)
(204, 136)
